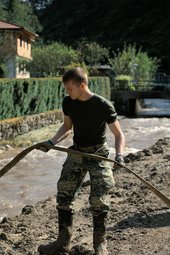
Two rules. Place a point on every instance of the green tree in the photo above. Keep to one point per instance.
(22, 14)
(7, 49)
(48, 59)
(92, 53)
(3, 12)
(111, 23)
(134, 63)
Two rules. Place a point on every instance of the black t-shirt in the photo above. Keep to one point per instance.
(89, 119)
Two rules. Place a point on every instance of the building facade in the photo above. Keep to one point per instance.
(15, 49)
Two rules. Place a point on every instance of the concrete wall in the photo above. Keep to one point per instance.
(11, 128)
(11, 67)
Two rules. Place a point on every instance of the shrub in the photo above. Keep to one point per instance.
(92, 53)
(21, 97)
(124, 82)
(134, 63)
(77, 64)
(49, 58)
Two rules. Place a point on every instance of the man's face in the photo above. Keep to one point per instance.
(73, 89)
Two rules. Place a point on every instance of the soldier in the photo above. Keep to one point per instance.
(87, 113)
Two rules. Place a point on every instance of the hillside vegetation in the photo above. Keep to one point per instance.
(111, 23)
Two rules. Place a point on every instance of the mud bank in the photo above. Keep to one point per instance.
(139, 222)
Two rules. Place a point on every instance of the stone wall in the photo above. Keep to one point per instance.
(10, 128)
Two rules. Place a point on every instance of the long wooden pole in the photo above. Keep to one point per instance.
(23, 153)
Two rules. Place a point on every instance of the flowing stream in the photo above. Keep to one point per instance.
(34, 178)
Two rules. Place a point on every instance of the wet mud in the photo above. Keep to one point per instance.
(138, 222)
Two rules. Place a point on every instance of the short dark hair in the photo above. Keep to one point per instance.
(76, 74)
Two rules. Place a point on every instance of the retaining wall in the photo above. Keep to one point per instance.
(10, 128)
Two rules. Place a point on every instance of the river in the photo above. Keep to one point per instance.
(35, 177)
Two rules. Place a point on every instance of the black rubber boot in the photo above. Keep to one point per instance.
(99, 234)
(62, 245)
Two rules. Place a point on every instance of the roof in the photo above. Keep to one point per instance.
(4, 25)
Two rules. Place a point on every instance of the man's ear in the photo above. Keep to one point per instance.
(82, 85)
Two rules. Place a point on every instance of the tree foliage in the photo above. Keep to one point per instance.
(7, 48)
(3, 12)
(92, 53)
(48, 58)
(26, 97)
(135, 64)
(111, 23)
(22, 14)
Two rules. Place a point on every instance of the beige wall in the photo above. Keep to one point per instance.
(23, 46)
(19, 45)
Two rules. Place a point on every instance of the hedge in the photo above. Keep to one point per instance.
(21, 97)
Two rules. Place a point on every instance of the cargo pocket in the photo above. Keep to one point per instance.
(103, 151)
(74, 157)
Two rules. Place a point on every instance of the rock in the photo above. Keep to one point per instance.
(147, 152)
(153, 174)
(5, 220)
(166, 157)
(24, 128)
(127, 160)
(3, 236)
(28, 209)
(80, 250)
(118, 194)
(157, 149)
(130, 157)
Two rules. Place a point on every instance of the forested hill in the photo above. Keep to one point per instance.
(111, 23)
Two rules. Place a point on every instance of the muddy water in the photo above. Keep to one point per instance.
(34, 178)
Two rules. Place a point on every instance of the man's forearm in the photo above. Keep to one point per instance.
(119, 137)
(120, 144)
(61, 134)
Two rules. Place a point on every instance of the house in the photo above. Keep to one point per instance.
(15, 49)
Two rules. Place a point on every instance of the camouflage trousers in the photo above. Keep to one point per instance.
(72, 176)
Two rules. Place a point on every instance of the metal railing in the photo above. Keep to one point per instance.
(146, 85)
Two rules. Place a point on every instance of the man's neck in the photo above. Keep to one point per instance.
(86, 95)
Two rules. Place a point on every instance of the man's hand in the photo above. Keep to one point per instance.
(43, 147)
(120, 160)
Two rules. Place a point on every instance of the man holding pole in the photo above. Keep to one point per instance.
(87, 114)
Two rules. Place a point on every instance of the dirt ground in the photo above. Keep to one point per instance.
(139, 222)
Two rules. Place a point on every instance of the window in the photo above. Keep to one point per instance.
(20, 41)
(27, 44)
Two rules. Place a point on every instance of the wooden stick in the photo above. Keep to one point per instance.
(22, 154)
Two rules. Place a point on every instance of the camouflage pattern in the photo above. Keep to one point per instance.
(72, 176)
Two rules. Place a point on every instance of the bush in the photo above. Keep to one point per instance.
(50, 60)
(92, 53)
(101, 86)
(134, 63)
(26, 97)
(77, 64)
(3, 71)
(124, 82)
(47, 60)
